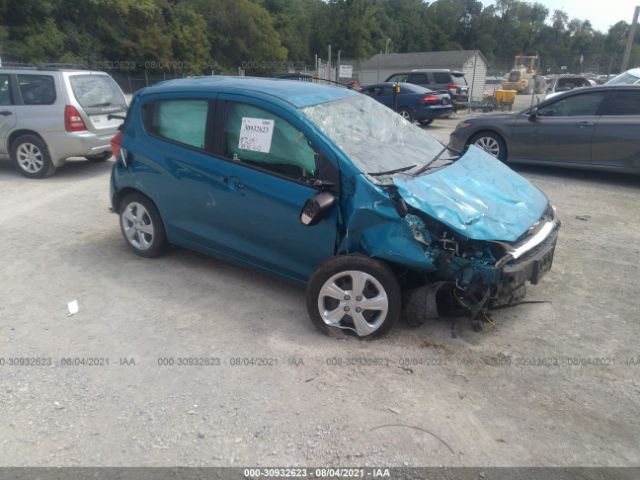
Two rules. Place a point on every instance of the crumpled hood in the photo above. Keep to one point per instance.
(477, 196)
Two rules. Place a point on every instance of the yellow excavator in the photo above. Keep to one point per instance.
(523, 77)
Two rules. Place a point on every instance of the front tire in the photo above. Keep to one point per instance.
(353, 294)
(141, 226)
(490, 143)
(31, 157)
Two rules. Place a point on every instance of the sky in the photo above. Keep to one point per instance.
(601, 13)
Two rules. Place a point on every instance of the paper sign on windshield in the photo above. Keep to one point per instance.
(256, 134)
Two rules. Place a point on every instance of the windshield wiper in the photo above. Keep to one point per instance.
(391, 172)
(428, 164)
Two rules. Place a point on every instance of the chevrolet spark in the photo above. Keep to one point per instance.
(329, 188)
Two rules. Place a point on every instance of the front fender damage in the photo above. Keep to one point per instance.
(435, 264)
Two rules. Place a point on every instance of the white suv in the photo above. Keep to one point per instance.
(49, 115)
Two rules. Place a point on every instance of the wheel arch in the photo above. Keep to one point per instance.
(18, 133)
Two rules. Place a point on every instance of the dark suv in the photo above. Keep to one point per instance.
(438, 79)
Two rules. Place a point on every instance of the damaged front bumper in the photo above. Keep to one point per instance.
(480, 284)
(531, 258)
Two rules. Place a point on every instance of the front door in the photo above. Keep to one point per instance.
(267, 175)
(564, 129)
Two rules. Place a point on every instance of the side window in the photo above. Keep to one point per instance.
(260, 138)
(622, 103)
(574, 106)
(5, 90)
(372, 91)
(182, 121)
(400, 77)
(442, 77)
(418, 78)
(37, 89)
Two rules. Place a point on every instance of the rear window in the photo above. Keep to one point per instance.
(96, 91)
(37, 89)
(460, 80)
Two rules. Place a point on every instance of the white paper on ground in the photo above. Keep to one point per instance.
(73, 307)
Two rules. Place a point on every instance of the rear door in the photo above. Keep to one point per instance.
(7, 111)
(616, 142)
(38, 103)
(563, 129)
(98, 96)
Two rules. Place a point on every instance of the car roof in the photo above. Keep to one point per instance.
(297, 93)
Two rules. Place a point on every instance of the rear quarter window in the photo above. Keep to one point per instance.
(37, 89)
(179, 121)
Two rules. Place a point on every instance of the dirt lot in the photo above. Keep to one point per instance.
(554, 383)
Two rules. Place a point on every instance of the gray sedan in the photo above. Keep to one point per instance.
(596, 128)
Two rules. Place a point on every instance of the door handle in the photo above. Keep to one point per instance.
(584, 124)
(6, 113)
(233, 183)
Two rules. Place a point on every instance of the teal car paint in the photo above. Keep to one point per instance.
(477, 196)
(224, 187)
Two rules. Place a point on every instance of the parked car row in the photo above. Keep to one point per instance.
(47, 116)
(413, 102)
(592, 128)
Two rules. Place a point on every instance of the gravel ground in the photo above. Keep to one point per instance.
(554, 383)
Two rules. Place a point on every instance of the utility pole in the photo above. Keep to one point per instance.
(632, 34)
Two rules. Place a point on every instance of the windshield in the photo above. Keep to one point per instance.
(624, 79)
(96, 91)
(373, 136)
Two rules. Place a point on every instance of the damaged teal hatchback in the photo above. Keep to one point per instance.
(327, 187)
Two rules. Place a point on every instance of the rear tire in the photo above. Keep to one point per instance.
(31, 157)
(406, 114)
(353, 294)
(141, 226)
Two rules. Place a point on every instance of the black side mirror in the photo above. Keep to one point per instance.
(533, 114)
(317, 208)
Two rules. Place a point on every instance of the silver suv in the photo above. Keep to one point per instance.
(49, 115)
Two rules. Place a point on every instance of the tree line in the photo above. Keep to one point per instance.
(196, 36)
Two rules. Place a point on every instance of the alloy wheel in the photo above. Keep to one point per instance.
(30, 157)
(137, 226)
(353, 300)
(489, 145)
